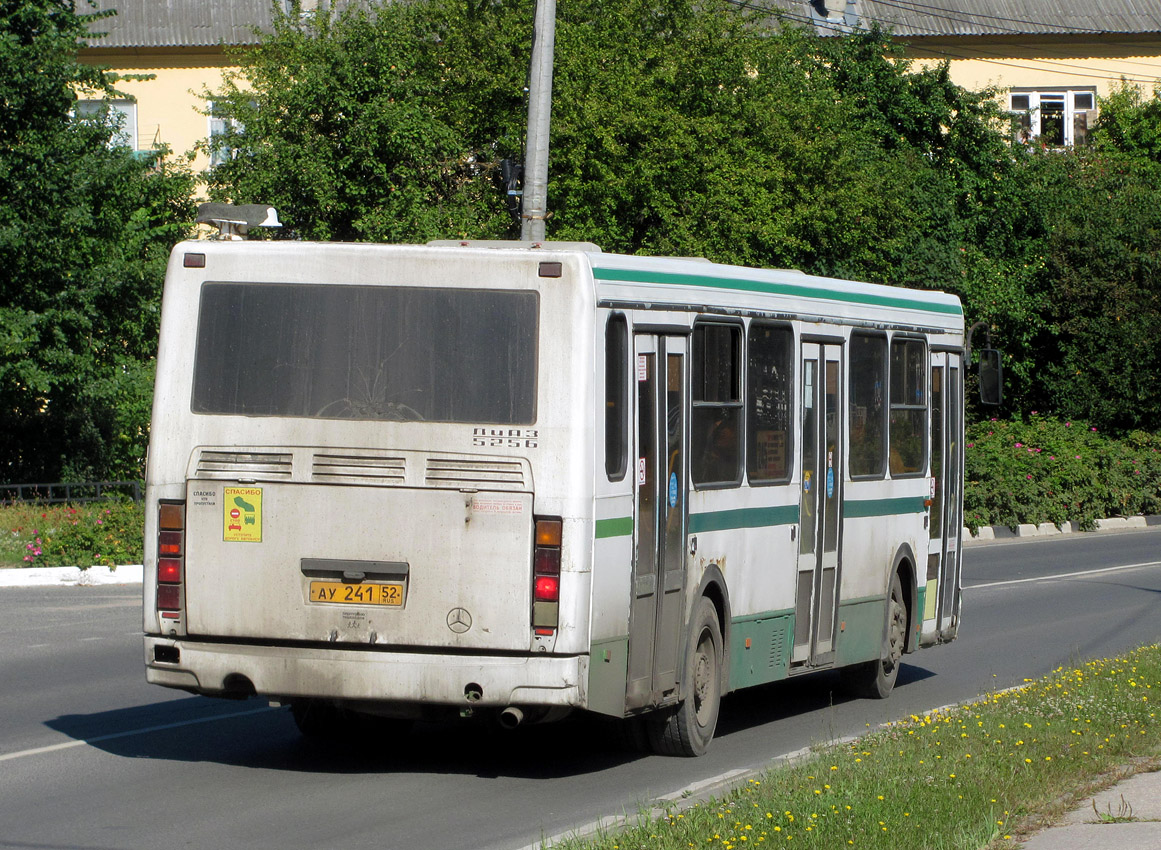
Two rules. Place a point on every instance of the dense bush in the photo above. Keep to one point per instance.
(1048, 470)
(103, 533)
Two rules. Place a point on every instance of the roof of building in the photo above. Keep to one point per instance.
(919, 18)
(176, 23)
(205, 23)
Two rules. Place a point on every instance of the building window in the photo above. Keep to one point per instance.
(716, 441)
(908, 431)
(121, 115)
(1053, 117)
(868, 409)
(222, 129)
(768, 393)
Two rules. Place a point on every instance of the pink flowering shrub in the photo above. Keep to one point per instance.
(99, 533)
(1048, 470)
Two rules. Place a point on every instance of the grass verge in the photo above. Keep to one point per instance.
(980, 775)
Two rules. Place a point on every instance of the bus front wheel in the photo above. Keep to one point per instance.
(688, 729)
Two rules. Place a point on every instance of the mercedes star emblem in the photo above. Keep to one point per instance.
(459, 620)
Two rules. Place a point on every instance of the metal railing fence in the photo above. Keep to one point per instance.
(77, 491)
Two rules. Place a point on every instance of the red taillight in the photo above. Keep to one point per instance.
(547, 589)
(546, 575)
(169, 571)
(170, 558)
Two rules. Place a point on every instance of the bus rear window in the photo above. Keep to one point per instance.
(366, 352)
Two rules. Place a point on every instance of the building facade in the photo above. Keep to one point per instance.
(1053, 59)
(185, 46)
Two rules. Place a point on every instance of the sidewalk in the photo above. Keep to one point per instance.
(69, 576)
(1127, 817)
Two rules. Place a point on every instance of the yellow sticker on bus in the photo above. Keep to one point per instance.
(242, 520)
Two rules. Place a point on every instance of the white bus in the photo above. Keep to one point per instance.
(524, 479)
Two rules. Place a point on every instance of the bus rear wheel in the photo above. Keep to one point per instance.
(688, 729)
(876, 679)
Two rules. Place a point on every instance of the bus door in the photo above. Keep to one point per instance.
(656, 616)
(943, 552)
(820, 505)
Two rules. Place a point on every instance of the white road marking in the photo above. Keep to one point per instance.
(66, 745)
(1063, 575)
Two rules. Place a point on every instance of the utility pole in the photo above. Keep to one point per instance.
(539, 116)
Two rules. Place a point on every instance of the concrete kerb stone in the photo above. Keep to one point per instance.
(1048, 529)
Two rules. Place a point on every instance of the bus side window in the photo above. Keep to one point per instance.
(716, 442)
(908, 431)
(868, 391)
(769, 402)
(616, 397)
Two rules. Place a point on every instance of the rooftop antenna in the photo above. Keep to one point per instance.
(235, 220)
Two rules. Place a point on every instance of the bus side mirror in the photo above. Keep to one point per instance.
(991, 377)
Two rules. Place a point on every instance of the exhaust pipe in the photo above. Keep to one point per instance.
(511, 717)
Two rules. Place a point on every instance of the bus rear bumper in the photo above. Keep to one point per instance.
(224, 669)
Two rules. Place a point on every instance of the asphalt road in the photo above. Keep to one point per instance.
(92, 757)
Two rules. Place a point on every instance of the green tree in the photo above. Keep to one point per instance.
(1130, 123)
(678, 128)
(382, 123)
(1101, 273)
(85, 229)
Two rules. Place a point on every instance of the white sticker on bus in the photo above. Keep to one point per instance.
(497, 505)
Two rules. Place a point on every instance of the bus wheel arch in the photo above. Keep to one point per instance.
(876, 679)
(904, 567)
(687, 728)
(713, 587)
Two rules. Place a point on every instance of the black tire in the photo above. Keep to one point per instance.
(876, 679)
(688, 729)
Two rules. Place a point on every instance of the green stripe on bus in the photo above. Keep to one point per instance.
(621, 526)
(793, 289)
(883, 507)
(743, 518)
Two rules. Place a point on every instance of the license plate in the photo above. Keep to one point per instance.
(356, 594)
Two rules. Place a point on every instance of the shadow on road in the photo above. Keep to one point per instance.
(792, 697)
(250, 734)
